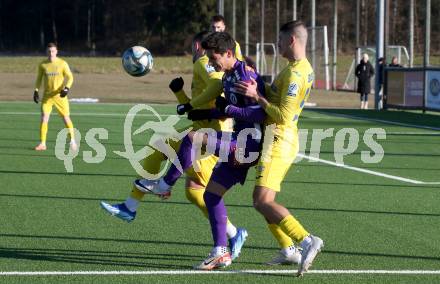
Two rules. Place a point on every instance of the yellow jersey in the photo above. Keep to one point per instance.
(287, 96)
(238, 53)
(53, 75)
(205, 87)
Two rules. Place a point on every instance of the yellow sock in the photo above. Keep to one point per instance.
(43, 132)
(69, 126)
(195, 196)
(284, 240)
(293, 229)
(137, 194)
(151, 164)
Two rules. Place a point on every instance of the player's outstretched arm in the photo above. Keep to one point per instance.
(68, 75)
(213, 89)
(176, 86)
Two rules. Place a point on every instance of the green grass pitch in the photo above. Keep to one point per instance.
(51, 219)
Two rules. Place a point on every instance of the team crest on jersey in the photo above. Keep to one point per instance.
(209, 68)
(292, 90)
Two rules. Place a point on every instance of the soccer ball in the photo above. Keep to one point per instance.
(137, 61)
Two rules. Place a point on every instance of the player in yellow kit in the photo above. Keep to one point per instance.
(57, 80)
(284, 101)
(218, 25)
(205, 80)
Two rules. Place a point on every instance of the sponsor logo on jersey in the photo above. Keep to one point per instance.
(209, 68)
(50, 74)
(292, 90)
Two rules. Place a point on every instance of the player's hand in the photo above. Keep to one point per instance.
(221, 103)
(36, 97)
(248, 89)
(199, 114)
(183, 108)
(64, 92)
(176, 84)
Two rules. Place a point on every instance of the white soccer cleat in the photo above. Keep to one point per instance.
(40, 147)
(73, 145)
(153, 187)
(214, 261)
(308, 254)
(293, 257)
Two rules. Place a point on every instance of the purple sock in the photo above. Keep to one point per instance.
(185, 158)
(218, 217)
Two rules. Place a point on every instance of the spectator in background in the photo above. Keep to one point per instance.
(364, 72)
(395, 63)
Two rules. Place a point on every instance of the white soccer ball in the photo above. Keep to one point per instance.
(137, 61)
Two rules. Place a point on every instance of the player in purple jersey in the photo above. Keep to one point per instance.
(238, 150)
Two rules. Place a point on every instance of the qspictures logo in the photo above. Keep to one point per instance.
(162, 135)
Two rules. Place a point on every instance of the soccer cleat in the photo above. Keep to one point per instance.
(119, 210)
(153, 187)
(237, 242)
(40, 147)
(309, 253)
(215, 261)
(282, 259)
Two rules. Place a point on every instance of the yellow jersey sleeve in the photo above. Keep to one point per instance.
(238, 53)
(290, 97)
(289, 92)
(212, 91)
(67, 75)
(206, 85)
(40, 73)
(181, 96)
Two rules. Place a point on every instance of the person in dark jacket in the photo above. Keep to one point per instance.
(364, 72)
(395, 63)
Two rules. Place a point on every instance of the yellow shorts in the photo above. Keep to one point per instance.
(61, 104)
(273, 167)
(204, 165)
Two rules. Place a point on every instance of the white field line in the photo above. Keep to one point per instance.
(94, 104)
(384, 121)
(198, 272)
(86, 114)
(413, 181)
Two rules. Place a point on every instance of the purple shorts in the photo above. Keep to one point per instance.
(234, 170)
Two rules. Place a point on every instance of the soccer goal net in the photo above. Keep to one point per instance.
(269, 62)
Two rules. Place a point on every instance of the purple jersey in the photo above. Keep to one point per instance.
(246, 113)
